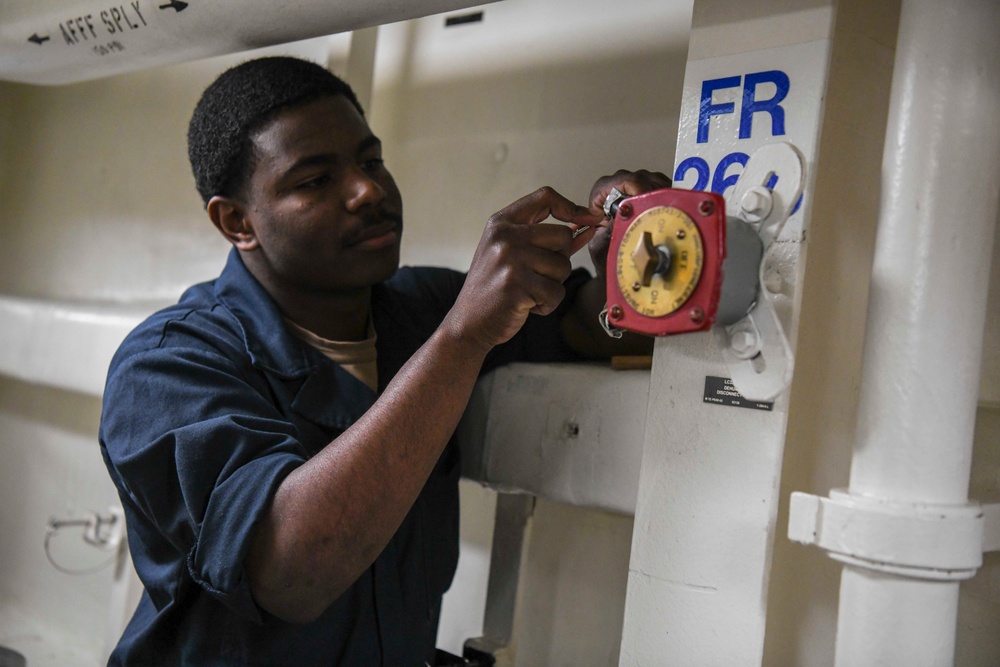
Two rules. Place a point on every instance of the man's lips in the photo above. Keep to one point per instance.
(378, 235)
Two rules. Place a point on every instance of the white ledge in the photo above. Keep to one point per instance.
(572, 433)
(64, 344)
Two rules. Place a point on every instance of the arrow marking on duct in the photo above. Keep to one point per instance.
(37, 39)
(175, 5)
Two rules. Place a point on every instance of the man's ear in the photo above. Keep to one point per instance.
(229, 217)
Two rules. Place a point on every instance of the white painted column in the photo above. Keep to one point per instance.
(941, 170)
(710, 471)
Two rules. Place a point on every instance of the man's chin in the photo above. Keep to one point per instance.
(386, 268)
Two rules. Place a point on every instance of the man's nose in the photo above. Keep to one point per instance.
(362, 190)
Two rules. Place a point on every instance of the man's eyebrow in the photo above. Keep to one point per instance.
(371, 141)
(319, 159)
(323, 159)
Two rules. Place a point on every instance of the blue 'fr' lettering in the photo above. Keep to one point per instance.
(751, 105)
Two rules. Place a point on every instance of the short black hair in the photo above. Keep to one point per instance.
(240, 102)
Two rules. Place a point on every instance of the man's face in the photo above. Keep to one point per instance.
(325, 210)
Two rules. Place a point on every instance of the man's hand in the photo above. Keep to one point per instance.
(519, 266)
(580, 327)
(630, 183)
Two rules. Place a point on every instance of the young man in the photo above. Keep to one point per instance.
(281, 439)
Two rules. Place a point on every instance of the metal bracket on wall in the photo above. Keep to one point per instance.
(755, 348)
(510, 525)
(934, 542)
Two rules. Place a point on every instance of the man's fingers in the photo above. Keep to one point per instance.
(542, 204)
(582, 237)
(548, 264)
(547, 294)
(629, 183)
(563, 239)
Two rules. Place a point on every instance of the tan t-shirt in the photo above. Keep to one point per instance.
(357, 357)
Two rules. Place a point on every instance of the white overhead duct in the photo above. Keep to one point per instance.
(58, 41)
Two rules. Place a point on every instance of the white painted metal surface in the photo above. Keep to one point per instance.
(567, 432)
(57, 42)
(925, 319)
(705, 517)
(63, 344)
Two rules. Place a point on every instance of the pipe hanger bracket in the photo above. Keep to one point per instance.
(918, 540)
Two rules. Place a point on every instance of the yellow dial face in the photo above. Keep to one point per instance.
(659, 261)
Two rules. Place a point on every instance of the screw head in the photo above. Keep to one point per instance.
(625, 211)
(756, 204)
(744, 343)
(681, 234)
(706, 206)
(697, 314)
(616, 312)
(636, 286)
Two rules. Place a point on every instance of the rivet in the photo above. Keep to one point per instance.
(706, 206)
(636, 286)
(616, 312)
(681, 234)
(697, 314)
(625, 211)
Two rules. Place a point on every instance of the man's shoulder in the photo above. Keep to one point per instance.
(197, 320)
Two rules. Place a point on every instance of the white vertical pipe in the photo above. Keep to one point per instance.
(361, 65)
(941, 170)
(886, 620)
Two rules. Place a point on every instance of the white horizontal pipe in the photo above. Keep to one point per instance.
(66, 345)
(940, 175)
(65, 41)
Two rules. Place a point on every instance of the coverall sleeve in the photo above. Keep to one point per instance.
(197, 449)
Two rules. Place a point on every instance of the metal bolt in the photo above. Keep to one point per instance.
(697, 314)
(616, 312)
(706, 206)
(625, 211)
(681, 234)
(742, 342)
(756, 204)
